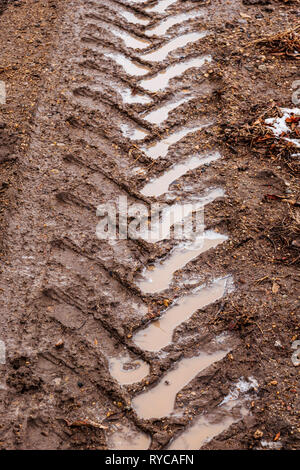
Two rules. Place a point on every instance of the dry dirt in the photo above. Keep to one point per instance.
(70, 303)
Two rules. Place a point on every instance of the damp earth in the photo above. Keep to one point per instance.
(135, 342)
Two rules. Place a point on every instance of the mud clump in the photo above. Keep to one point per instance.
(3, 4)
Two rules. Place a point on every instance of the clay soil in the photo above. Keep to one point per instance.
(63, 292)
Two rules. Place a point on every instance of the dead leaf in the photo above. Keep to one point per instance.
(243, 15)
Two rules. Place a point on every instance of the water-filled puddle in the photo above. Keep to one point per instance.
(161, 53)
(166, 24)
(131, 41)
(133, 133)
(133, 18)
(161, 6)
(161, 80)
(161, 276)
(161, 148)
(206, 429)
(160, 332)
(131, 98)
(230, 411)
(160, 185)
(158, 116)
(128, 371)
(159, 401)
(127, 64)
(126, 438)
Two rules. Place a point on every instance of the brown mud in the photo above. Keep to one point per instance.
(79, 90)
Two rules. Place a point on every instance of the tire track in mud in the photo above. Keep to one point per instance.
(110, 104)
(159, 333)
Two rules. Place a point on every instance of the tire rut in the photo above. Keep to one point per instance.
(93, 293)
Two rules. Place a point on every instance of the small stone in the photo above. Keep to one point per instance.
(258, 434)
(273, 382)
(60, 344)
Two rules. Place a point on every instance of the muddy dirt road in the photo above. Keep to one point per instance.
(134, 343)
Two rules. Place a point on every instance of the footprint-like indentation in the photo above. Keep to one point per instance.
(160, 332)
(160, 185)
(161, 80)
(161, 53)
(160, 277)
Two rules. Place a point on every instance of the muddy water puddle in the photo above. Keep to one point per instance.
(161, 80)
(130, 40)
(161, 53)
(134, 18)
(161, 6)
(160, 185)
(133, 133)
(206, 428)
(166, 24)
(128, 371)
(158, 116)
(129, 67)
(160, 277)
(232, 410)
(160, 149)
(131, 98)
(160, 332)
(159, 401)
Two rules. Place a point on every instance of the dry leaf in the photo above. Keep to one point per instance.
(243, 15)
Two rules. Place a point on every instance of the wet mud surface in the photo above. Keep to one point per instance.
(145, 100)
